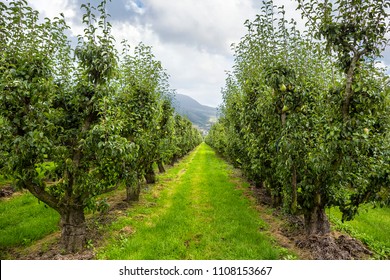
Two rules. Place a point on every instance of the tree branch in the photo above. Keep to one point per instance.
(40, 193)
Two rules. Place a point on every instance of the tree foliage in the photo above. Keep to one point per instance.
(285, 111)
(97, 119)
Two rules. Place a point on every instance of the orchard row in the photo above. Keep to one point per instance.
(80, 122)
(306, 115)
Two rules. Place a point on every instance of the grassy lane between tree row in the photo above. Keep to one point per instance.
(195, 212)
(24, 220)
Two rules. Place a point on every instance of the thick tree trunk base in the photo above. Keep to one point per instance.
(174, 160)
(316, 222)
(150, 177)
(133, 192)
(73, 234)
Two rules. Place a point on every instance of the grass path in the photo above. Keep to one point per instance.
(199, 209)
(23, 221)
(194, 212)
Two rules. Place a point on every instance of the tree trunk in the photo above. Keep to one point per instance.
(257, 180)
(276, 200)
(133, 191)
(150, 176)
(283, 118)
(316, 221)
(294, 194)
(259, 184)
(73, 229)
(161, 168)
(174, 160)
(348, 87)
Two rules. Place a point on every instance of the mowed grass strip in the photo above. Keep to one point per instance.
(24, 220)
(197, 213)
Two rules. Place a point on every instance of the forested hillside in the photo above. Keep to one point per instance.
(200, 115)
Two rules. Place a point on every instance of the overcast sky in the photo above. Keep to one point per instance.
(192, 38)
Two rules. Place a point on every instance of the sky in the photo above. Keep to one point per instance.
(192, 38)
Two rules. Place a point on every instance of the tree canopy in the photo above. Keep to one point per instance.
(77, 123)
(309, 121)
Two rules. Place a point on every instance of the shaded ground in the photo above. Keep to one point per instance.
(289, 232)
(49, 248)
(6, 191)
(330, 247)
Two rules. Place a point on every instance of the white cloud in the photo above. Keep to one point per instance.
(133, 5)
(208, 25)
(133, 34)
(196, 73)
(53, 8)
(199, 74)
(192, 38)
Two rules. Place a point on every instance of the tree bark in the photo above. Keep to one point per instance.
(276, 200)
(40, 193)
(283, 118)
(259, 184)
(150, 176)
(294, 194)
(133, 192)
(316, 221)
(73, 234)
(161, 168)
(174, 160)
(348, 87)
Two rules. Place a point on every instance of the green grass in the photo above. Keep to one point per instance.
(195, 212)
(24, 220)
(371, 226)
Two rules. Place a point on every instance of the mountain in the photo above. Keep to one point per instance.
(200, 115)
